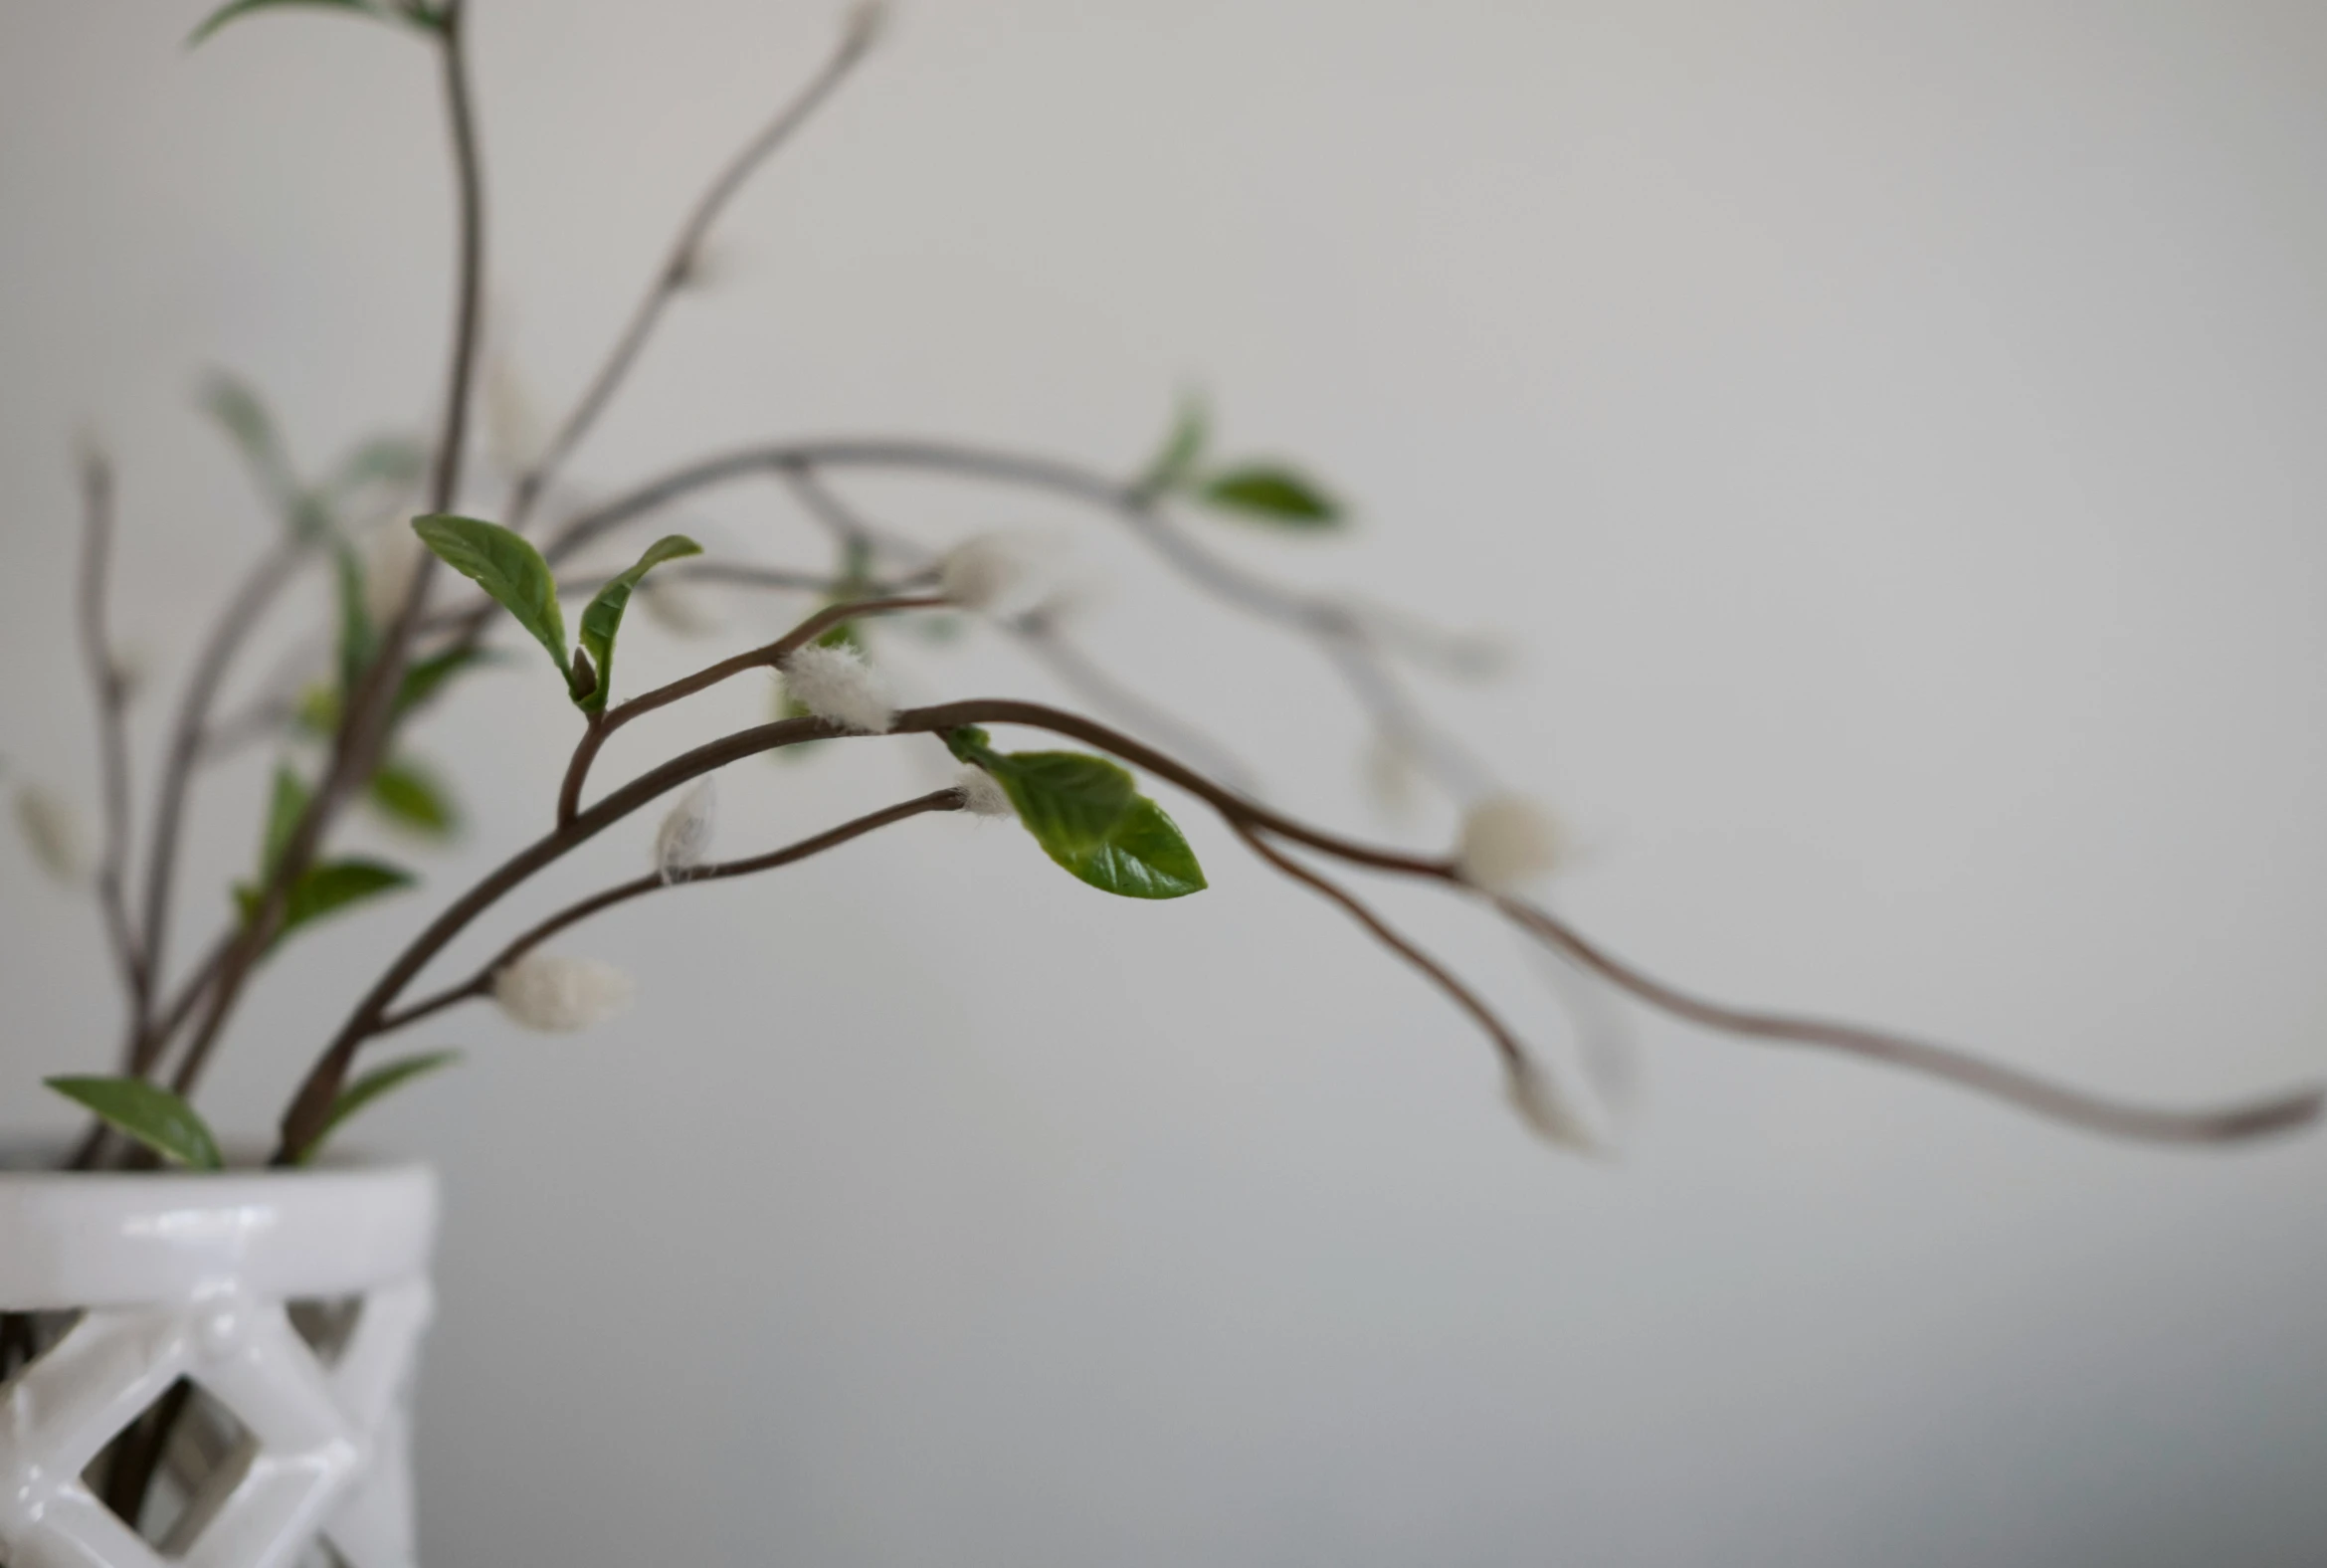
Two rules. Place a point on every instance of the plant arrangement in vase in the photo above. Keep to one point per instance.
(406, 634)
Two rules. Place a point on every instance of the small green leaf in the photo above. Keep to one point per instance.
(234, 9)
(506, 565)
(1087, 815)
(325, 890)
(1274, 494)
(358, 640)
(246, 421)
(151, 1115)
(283, 810)
(410, 796)
(423, 678)
(318, 712)
(602, 620)
(379, 1080)
(391, 461)
(1175, 463)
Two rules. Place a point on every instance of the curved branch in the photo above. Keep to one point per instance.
(2225, 1124)
(104, 674)
(679, 265)
(481, 984)
(605, 723)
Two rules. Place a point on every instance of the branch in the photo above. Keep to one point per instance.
(481, 984)
(105, 673)
(1350, 638)
(2226, 1124)
(679, 265)
(606, 722)
(363, 727)
(1506, 1043)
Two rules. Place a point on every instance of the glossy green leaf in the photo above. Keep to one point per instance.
(285, 807)
(412, 797)
(506, 566)
(151, 1115)
(602, 621)
(1175, 461)
(1272, 494)
(358, 640)
(325, 890)
(236, 9)
(379, 1080)
(1087, 815)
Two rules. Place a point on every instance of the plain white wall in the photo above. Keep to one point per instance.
(1890, 432)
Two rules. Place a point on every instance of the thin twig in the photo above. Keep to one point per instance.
(1506, 1043)
(605, 723)
(481, 984)
(111, 692)
(2225, 1124)
(684, 257)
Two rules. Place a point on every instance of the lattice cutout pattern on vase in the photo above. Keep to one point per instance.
(295, 1446)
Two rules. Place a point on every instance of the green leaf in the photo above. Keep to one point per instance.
(283, 810)
(236, 9)
(423, 678)
(393, 460)
(325, 890)
(379, 1080)
(1175, 461)
(318, 712)
(247, 423)
(1087, 815)
(1272, 494)
(410, 796)
(506, 566)
(602, 620)
(151, 1115)
(358, 640)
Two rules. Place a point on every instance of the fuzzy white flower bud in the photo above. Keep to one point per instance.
(391, 556)
(685, 838)
(561, 994)
(838, 687)
(512, 426)
(995, 572)
(1507, 842)
(981, 795)
(1553, 1113)
(53, 832)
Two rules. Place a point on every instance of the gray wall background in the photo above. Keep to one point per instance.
(1891, 435)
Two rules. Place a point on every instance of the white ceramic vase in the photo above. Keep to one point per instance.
(290, 1306)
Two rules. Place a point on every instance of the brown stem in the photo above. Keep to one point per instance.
(105, 673)
(1506, 1043)
(678, 267)
(1351, 641)
(603, 724)
(363, 727)
(2226, 1124)
(481, 984)
(137, 1453)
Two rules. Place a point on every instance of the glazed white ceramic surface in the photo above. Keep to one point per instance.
(191, 1275)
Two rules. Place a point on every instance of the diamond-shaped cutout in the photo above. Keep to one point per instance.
(166, 1472)
(326, 1323)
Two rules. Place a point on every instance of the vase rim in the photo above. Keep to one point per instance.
(82, 1239)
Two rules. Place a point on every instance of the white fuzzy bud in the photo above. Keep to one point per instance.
(512, 427)
(561, 994)
(1507, 842)
(685, 838)
(981, 795)
(838, 687)
(1552, 1113)
(53, 832)
(391, 557)
(994, 572)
